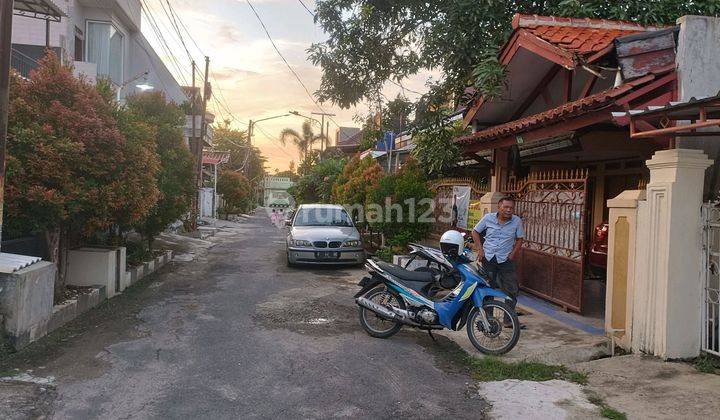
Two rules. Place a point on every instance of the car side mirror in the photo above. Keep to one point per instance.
(288, 223)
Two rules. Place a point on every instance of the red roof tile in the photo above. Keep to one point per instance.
(570, 109)
(577, 36)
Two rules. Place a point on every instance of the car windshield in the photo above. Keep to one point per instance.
(317, 216)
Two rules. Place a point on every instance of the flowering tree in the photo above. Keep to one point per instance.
(358, 178)
(70, 170)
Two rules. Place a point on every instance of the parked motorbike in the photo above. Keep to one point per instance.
(392, 297)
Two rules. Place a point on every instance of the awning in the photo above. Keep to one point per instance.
(39, 9)
(674, 119)
(10, 263)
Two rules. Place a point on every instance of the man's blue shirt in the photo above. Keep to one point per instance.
(499, 237)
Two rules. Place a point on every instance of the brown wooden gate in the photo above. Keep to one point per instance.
(552, 205)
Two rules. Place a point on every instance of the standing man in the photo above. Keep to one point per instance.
(498, 238)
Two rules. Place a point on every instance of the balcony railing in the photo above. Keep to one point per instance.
(22, 63)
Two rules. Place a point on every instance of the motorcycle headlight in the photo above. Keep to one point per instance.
(353, 243)
(300, 242)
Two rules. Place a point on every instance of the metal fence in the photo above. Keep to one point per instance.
(711, 278)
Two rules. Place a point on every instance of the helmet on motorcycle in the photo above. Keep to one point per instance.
(451, 243)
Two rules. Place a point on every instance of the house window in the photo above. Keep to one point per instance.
(105, 48)
(79, 44)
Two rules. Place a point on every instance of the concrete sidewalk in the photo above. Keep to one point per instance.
(647, 388)
(545, 340)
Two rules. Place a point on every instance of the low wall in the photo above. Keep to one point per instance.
(94, 267)
(26, 296)
(26, 302)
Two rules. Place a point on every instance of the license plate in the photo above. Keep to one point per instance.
(327, 255)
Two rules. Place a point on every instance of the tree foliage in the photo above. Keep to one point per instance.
(303, 141)
(176, 176)
(370, 42)
(234, 141)
(72, 169)
(235, 189)
(435, 150)
(358, 176)
(317, 183)
(405, 190)
(69, 165)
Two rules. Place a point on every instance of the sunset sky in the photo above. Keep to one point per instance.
(253, 80)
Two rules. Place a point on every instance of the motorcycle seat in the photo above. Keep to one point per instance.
(422, 277)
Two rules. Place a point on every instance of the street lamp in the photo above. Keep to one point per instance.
(142, 87)
(252, 123)
(306, 117)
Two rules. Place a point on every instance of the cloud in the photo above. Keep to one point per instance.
(232, 74)
(228, 34)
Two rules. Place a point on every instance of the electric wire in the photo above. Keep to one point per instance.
(307, 8)
(282, 57)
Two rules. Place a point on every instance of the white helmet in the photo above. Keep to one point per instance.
(452, 243)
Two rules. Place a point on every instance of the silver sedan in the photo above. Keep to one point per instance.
(323, 234)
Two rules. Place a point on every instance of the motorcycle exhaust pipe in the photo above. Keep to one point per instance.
(378, 309)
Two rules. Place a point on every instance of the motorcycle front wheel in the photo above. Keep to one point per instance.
(504, 331)
(374, 324)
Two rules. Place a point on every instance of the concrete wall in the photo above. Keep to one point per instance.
(125, 15)
(144, 58)
(93, 267)
(26, 302)
(698, 69)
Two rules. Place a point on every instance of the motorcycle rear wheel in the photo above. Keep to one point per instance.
(375, 325)
(499, 340)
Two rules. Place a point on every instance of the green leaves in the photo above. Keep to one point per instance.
(175, 178)
(435, 150)
(371, 41)
(489, 76)
(235, 189)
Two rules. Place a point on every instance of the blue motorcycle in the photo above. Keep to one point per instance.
(392, 297)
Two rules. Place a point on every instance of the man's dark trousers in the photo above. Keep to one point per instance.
(503, 277)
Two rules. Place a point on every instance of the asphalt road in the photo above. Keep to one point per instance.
(237, 334)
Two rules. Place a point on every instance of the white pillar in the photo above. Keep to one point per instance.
(668, 287)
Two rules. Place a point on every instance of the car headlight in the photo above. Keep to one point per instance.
(353, 243)
(300, 242)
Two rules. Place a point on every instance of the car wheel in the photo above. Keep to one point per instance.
(289, 263)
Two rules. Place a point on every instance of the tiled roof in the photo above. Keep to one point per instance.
(568, 110)
(577, 36)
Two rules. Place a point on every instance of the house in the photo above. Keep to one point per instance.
(275, 192)
(554, 141)
(349, 140)
(100, 39)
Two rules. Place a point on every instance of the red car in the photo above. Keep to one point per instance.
(597, 255)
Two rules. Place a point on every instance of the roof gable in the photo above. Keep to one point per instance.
(567, 42)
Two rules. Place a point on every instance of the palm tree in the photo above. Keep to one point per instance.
(304, 142)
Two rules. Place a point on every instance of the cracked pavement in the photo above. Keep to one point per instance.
(236, 333)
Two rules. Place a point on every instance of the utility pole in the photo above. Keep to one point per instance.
(323, 139)
(249, 148)
(203, 133)
(6, 15)
(194, 143)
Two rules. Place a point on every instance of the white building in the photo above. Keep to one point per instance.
(101, 38)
